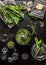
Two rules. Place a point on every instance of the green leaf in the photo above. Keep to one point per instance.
(31, 16)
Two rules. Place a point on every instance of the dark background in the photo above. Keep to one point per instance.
(23, 49)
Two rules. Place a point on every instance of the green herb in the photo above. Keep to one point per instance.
(33, 27)
(11, 14)
(38, 45)
(16, 7)
(31, 16)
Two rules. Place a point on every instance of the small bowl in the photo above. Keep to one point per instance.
(23, 37)
(41, 55)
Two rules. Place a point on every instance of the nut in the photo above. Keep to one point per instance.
(29, 4)
(28, 9)
(24, 2)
